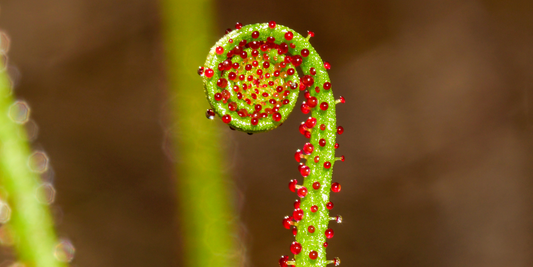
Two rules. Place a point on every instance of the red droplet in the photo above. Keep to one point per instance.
(325, 244)
(329, 233)
(283, 261)
(272, 24)
(312, 101)
(258, 107)
(226, 95)
(298, 155)
(244, 54)
(210, 114)
(294, 230)
(305, 108)
(218, 96)
(200, 70)
(307, 80)
(311, 229)
(255, 34)
(340, 130)
(308, 148)
(317, 159)
(254, 121)
(276, 116)
(292, 45)
(316, 185)
(327, 164)
(304, 170)
(313, 255)
(226, 118)
(232, 106)
(297, 204)
(302, 86)
(302, 191)
(329, 205)
(310, 122)
(327, 65)
(314, 208)
(288, 36)
(294, 86)
(322, 142)
(219, 50)
(296, 248)
(298, 214)
(222, 83)
(304, 52)
(312, 71)
(324, 105)
(335, 187)
(255, 44)
(336, 145)
(290, 71)
(297, 60)
(209, 73)
(238, 25)
(322, 127)
(342, 100)
(307, 134)
(342, 158)
(327, 85)
(292, 185)
(311, 34)
(287, 222)
(303, 128)
(232, 76)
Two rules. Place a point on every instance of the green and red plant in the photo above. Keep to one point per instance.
(252, 83)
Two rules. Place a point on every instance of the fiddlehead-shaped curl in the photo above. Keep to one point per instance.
(251, 82)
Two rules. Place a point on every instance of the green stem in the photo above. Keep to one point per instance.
(31, 223)
(207, 219)
(252, 103)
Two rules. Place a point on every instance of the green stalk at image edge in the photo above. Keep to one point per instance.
(206, 216)
(31, 224)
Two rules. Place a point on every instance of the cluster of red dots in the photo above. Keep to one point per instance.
(290, 222)
(259, 73)
(255, 79)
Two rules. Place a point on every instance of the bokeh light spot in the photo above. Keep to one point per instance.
(32, 130)
(38, 162)
(3, 61)
(5, 212)
(5, 42)
(64, 251)
(46, 193)
(19, 112)
(6, 236)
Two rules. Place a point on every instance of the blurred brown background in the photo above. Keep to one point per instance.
(438, 127)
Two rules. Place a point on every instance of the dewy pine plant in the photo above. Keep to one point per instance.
(251, 82)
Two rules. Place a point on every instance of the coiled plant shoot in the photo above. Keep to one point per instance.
(251, 82)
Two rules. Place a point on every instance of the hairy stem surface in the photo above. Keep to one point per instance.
(251, 84)
(31, 224)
